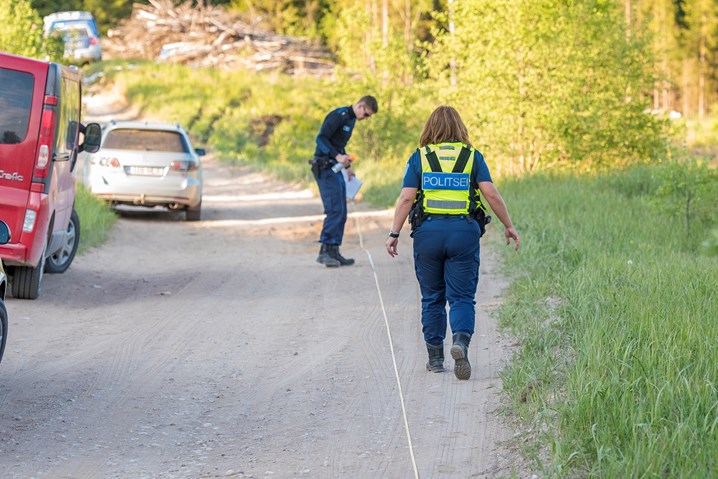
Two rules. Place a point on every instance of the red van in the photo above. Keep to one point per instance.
(40, 128)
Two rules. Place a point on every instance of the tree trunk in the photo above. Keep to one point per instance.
(664, 62)
(408, 37)
(452, 29)
(369, 35)
(702, 65)
(385, 23)
(686, 87)
(310, 8)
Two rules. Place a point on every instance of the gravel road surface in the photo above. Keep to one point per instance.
(222, 349)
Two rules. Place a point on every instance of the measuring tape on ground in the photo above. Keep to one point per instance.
(391, 347)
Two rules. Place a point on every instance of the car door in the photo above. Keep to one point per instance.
(65, 151)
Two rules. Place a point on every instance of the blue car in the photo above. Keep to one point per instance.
(79, 32)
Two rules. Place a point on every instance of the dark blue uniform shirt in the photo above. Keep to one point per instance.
(412, 174)
(335, 133)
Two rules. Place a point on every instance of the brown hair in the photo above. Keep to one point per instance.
(370, 102)
(444, 126)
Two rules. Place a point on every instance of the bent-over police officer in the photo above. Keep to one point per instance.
(330, 157)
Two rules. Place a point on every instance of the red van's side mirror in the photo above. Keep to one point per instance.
(93, 135)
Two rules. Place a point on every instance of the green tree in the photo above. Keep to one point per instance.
(286, 17)
(698, 54)
(46, 7)
(537, 82)
(21, 32)
(378, 38)
(108, 13)
(687, 190)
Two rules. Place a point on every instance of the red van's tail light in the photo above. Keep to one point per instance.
(47, 130)
(29, 224)
(43, 158)
(185, 165)
(93, 41)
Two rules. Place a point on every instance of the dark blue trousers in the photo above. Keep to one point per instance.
(446, 261)
(334, 198)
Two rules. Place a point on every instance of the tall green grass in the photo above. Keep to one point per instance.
(96, 219)
(617, 309)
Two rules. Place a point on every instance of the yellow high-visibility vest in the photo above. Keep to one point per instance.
(445, 190)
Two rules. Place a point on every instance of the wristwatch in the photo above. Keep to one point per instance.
(393, 234)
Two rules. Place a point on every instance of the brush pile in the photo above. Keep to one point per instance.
(210, 36)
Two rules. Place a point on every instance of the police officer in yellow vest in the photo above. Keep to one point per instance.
(442, 185)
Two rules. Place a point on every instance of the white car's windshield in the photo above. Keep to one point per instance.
(146, 140)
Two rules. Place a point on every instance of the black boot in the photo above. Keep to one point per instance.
(326, 258)
(460, 353)
(436, 358)
(333, 250)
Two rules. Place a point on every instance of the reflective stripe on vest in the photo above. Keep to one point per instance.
(446, 192)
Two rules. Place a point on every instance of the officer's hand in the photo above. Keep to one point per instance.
(510, 234)
(391, 244)
(343, 159)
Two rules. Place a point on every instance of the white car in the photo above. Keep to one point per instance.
(146, 164)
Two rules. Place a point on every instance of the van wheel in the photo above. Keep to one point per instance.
(3, 328)
(60, 260)
(194, 214)
(27, 281)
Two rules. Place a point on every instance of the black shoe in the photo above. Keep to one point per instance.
(325, 258)
(436, 358)
(333, 251)
(460, 353)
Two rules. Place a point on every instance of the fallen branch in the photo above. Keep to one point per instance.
(210, 36)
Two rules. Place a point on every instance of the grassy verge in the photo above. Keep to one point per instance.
(96, 219)
(616, 304)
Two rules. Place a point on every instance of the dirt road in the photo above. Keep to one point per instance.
(222, 349)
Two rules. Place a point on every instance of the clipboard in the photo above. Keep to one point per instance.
(353, 185)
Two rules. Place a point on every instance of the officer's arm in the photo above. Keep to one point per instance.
(329, 127)
(403, 205)
(496, 201)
